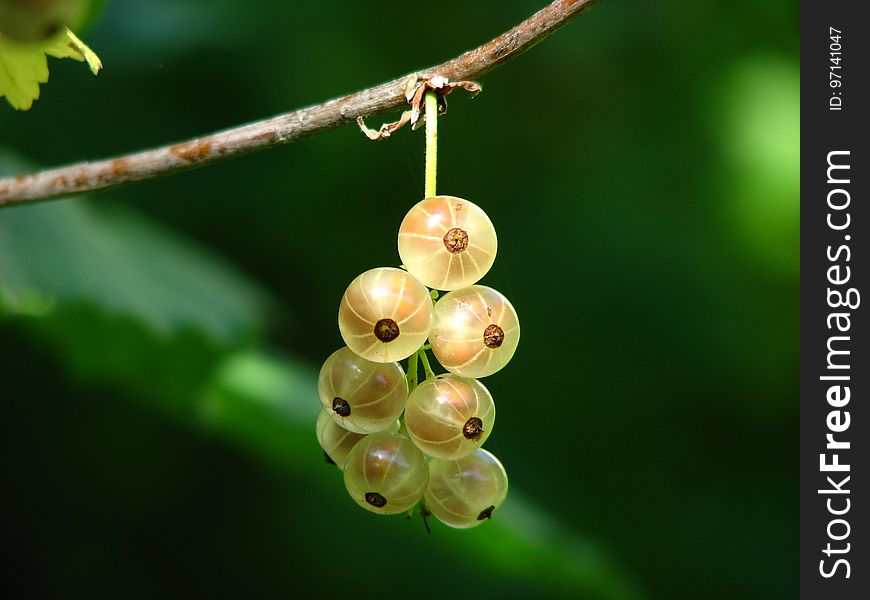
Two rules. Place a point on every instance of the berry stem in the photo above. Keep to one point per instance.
(412, 371)
(426, 367)
(431, 100)
(424, 513)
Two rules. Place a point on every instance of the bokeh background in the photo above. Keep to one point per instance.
(159, 343)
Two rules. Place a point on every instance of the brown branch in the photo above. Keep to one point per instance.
(387, 97)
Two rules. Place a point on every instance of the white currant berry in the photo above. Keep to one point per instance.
(386, 473)
(447, 242)
(476, 331)
(385, 315)
(464, 492)
(449, 416)
(337, 441)
(360, 395)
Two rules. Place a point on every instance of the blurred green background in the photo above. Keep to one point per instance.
(159, 343)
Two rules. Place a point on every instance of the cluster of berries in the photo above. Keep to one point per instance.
(433, 452)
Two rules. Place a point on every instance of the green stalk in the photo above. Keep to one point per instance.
(426, 367)
(412, 371)
(431, 100)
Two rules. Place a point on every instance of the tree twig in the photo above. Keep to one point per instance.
(387, 97)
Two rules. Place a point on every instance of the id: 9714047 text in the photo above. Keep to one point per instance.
(835, 69)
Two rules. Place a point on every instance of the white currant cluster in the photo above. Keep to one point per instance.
(397, 442)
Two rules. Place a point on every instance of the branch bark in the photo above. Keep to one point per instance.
(383, 98)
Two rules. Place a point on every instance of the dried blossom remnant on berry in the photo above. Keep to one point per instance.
(376, 500)
(340, 407)
(386, 330)
(456, 241)
(493, 336)
(473, 429)
(486, 513)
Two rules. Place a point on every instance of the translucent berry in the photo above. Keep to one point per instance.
(386, 473)
(447, 242)
(476, 331)
(449, 416)
(337, 441)
(359, 395)
(465, 492)
(385, 315)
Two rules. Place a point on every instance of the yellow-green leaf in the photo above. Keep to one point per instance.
(24, 66)
(69, 45)
(22, 69)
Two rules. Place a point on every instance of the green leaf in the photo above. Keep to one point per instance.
(24, 66)
(70, 46)
(71, 252)
(22, 69)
